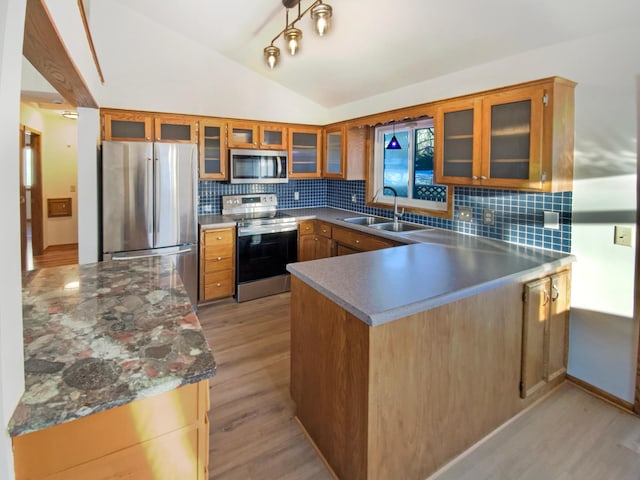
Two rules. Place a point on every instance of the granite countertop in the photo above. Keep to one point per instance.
(101, 335)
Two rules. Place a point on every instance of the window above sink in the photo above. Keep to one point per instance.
(408, 170)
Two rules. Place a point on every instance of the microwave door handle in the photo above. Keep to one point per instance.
(279, 171)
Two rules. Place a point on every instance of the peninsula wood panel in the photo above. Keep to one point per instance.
(430, 384)
(329, 378)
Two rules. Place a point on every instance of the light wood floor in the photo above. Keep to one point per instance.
(569, 436)
(56, 256)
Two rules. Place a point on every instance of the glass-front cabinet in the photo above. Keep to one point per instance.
(512, 137)
(273, 137)
(127, 126)
(518, 137)
(175, 129)
(304, 152)
(334, 152)
(458, 135)
(213, 151)
(242, 134)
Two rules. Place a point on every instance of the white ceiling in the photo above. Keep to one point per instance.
(379, 45)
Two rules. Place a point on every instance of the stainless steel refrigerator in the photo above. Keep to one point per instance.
(149, 204)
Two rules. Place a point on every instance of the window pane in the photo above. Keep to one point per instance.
(423, 188)
(396, 164)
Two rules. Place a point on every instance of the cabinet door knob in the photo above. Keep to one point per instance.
(474, 177)
(483, 177)
(357, 241)
(219, 258)
(218, 238)
(218, 284)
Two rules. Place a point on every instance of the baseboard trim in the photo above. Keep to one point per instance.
(598, 392)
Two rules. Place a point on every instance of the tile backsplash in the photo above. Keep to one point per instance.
(518, 215)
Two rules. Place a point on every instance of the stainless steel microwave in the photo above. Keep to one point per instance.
(258, 166)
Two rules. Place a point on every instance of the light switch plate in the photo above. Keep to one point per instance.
(464, 214)
(622, 236)
(552, 220)
(296, 195)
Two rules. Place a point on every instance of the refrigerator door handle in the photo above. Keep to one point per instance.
(149, 206)
(157, 199)
(148, 255)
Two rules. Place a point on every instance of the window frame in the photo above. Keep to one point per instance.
(385, 197)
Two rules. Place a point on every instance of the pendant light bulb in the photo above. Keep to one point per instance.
(320, 14)
(293, 36)
(271, 54)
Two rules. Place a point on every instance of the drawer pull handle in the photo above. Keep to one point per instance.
(218, 284)
(218, 238)
(357, 241)
(219, 258)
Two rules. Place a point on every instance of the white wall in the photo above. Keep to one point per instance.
(197, 80)
(11, 358)
(605, 67)
(60, 176)
(88, 138)
(59, 137)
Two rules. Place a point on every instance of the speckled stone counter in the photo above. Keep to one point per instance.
(101, 335)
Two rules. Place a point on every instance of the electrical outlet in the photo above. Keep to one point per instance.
(464, 214)
(488, 216)
(354, 198)
(622, 236)
(296, 195)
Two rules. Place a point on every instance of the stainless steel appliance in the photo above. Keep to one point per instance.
(149, 202)
(258, 166)
(267, 241)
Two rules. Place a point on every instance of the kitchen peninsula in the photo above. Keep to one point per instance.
(116, 369)
(403, 358)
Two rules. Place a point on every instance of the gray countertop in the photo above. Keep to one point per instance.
(435, 267)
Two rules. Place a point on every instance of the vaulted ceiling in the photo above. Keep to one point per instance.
(379, 45)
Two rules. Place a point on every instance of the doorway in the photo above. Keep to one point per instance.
(31, 211)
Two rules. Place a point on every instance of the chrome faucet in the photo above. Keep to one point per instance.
(396, 215)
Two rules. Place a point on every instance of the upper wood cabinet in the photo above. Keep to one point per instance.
(517, 137)
(272, 137)
(127, 126)
(242, 134)
(175, 129)
(345, 152)
(305, 147)
(148, 127)
(212, 145)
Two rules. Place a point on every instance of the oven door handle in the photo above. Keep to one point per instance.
(264, 229)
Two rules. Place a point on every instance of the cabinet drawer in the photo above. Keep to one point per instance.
(218, 284)
(216, 264)
(213, 238)
(324, 229)
(360, 241)
(307, 227)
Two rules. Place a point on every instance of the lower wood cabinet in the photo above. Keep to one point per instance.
(217, 263)
(314, 240)
(163, 437)
(545, 331)
(349, 241)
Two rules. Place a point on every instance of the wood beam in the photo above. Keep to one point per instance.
(44, 48)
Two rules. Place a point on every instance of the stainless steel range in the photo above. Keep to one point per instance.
(267, 241)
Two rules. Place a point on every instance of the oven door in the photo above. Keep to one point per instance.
(262, 255)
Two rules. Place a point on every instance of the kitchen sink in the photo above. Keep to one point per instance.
(400, 227)
(366, 220)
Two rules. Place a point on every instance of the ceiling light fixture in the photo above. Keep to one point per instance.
(320, 14)
(70, 114)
